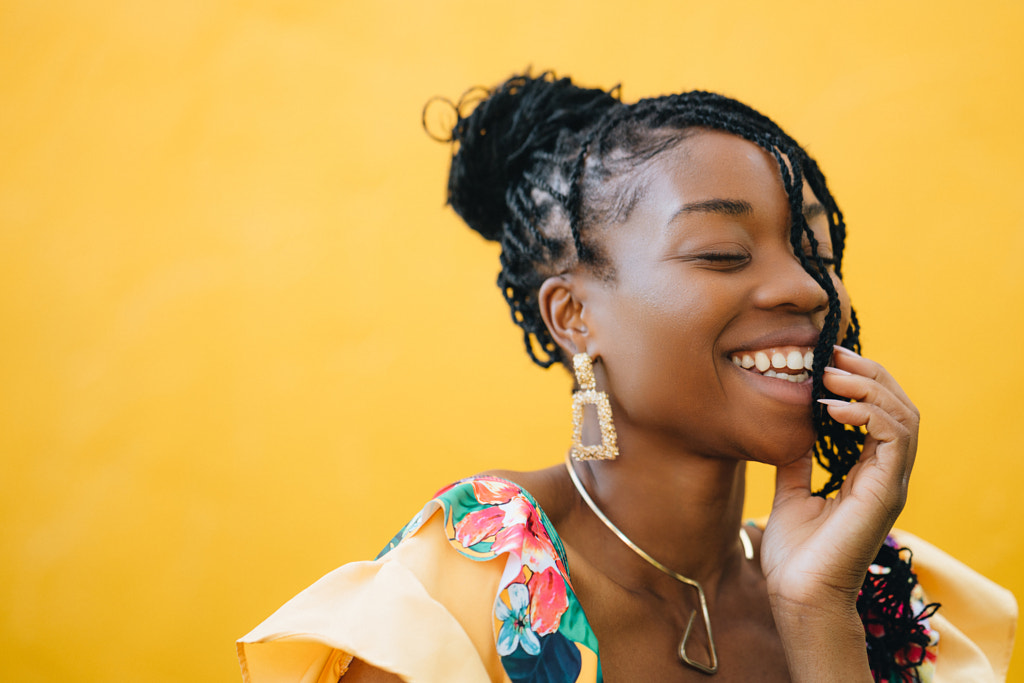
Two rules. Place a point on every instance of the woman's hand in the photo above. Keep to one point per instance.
(816, 551)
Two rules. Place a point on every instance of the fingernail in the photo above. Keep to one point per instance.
(849, 352)
(836, 371)
(833, 402)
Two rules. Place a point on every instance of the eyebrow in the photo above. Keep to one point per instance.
(738, 207)
(724, 207)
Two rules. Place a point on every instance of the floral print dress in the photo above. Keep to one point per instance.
(539, 624)
(476, 588)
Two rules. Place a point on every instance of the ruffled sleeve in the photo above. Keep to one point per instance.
(473, 589)
(977, 620)
(392, 613)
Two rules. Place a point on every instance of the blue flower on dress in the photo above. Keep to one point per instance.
(515, 626)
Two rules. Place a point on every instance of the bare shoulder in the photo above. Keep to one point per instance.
(547, 486)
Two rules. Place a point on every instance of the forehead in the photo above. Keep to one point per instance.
(710, 164)
(707, 165)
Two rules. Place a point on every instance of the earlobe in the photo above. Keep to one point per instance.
(561, 307)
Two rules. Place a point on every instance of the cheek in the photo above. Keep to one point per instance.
(656, 344)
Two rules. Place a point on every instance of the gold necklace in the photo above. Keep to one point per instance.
(748, 552)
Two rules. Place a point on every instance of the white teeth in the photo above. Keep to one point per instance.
(785, 376)
(770, 365)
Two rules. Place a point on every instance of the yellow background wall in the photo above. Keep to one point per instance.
(243, 340)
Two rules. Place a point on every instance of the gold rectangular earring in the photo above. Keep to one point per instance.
(588, 394)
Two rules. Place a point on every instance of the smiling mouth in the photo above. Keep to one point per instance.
(789, 363)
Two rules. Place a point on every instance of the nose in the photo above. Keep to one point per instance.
(786, 285)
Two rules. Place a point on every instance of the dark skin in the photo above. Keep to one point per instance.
(698, 281)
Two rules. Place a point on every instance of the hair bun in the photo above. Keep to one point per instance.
(500, 140)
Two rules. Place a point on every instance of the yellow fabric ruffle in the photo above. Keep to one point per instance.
(424, 613)
(977, 620)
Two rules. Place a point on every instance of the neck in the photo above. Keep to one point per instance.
(682, 509)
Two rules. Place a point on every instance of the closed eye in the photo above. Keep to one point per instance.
(722, 260)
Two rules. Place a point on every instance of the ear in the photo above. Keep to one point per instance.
(561, 304)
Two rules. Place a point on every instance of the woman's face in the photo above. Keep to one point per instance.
(705, 278)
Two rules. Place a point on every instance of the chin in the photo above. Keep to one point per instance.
(781, 452)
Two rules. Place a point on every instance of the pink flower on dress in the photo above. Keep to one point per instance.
(513, 522)
(548, 600)
(490, 491)
(478, 525)
(525, 534)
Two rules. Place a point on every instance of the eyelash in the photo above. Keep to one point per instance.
(731, 257)
(724, 261)
(723, 256)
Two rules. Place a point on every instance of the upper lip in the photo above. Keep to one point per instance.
(791, 336)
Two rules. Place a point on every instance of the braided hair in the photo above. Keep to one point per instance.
(530, 170)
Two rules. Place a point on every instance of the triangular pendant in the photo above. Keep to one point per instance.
(699, 666)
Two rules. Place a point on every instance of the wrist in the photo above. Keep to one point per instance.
(824, 642)
(829, 597)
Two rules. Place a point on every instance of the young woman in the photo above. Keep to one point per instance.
(682, 257)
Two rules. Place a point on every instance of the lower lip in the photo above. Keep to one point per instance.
(782, 390)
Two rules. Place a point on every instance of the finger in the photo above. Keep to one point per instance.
(880, 425)
(794, 480)
(867, 390)
(848, 360)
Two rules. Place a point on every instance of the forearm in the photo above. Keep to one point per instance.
(822, 645)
